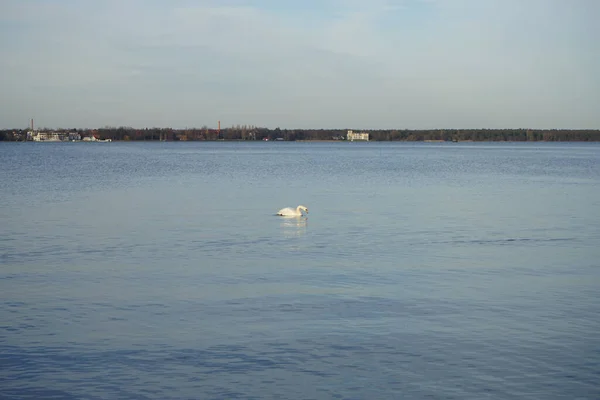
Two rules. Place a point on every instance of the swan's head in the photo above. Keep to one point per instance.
(303, 209)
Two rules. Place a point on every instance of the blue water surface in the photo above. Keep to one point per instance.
(423, 270)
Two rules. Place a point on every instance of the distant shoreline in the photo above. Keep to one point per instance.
(306, 141)
(252, 133)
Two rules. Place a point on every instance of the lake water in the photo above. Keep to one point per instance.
(424, 270)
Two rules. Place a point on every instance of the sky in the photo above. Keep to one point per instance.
(345, 64)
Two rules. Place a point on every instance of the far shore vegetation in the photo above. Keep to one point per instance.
(244, 133)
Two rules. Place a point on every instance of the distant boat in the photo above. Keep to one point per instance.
(94, 139)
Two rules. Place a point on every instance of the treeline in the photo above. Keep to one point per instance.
(256, 133)
(481, 135)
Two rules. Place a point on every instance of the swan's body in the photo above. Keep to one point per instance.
(292, 212)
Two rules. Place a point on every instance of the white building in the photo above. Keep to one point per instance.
(45, 136)
(357, 136)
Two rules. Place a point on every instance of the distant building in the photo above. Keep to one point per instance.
(357, 136)
(45, 136)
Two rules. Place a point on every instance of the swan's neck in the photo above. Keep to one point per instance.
(299, 210)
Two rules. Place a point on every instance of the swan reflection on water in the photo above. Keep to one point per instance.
(293, 226)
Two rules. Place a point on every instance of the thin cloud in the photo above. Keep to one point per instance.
(400, 64)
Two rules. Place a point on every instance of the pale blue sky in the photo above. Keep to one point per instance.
(301, 64)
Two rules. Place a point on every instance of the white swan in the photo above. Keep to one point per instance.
(292, 212)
